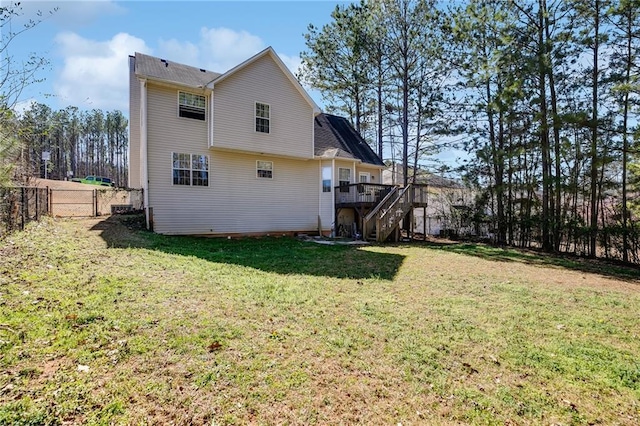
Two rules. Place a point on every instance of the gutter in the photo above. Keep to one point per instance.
(144, 166)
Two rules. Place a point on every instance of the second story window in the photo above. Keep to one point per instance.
(191, 106)
(263, 117)
(344, 179)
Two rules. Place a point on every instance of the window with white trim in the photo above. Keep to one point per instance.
(326, 179)
(344, 179)
(263, 117)
(190, 169)
(199, 170)
(191, 106)
(264, 169)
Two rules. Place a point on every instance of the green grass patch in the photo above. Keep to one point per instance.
(102, 322)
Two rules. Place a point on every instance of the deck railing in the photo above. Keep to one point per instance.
(361, 193)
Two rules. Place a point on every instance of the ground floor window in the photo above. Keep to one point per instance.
(326, 179)
(190, 169)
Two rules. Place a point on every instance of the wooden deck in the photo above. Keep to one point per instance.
(360, 195)
(368, 195)
(367, 199)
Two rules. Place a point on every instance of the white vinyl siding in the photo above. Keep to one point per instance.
(326, 198)
(235, 202)
(290, 130)
(134, 127)
(373, 173)
(169, 133)
(288, 203)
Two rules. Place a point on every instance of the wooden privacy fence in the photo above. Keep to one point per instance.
(21, 205)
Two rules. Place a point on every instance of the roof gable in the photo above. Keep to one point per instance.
(272, 54)
(336, 138)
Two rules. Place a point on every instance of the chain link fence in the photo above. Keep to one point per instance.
(93, 202)
(21, 205)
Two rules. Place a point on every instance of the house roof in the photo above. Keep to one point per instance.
(172, 72)
(422, 177)
(336, 138)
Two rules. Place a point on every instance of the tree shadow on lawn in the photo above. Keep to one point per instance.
(284, 255)
(629, 273)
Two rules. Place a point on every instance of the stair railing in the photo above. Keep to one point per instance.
(371, 218)
(387, 221)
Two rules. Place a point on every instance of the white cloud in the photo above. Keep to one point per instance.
(95, 73)
(294, 63)
(224, 48)
(219, 50)
(177, 51)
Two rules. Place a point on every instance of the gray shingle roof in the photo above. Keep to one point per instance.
(335, 137)
(162, 69)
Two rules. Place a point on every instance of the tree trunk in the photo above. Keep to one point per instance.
(594, 135)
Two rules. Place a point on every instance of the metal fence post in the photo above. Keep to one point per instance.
(37, 190)
(22, 208)
(95, 202)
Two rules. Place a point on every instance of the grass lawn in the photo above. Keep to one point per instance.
(104, 323)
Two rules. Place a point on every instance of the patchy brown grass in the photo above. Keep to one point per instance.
(104, 323)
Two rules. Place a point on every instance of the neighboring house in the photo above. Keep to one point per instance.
(247, 152)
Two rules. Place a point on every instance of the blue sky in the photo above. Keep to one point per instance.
(88, 42)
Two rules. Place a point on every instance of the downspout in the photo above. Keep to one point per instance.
(320, 191)
(144, 167)
(313, 134)
(356, 180)
(334, 225)
(211, 118)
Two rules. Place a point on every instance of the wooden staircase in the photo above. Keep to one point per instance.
(385, 217)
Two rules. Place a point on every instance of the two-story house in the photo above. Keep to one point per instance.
(246, 152)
